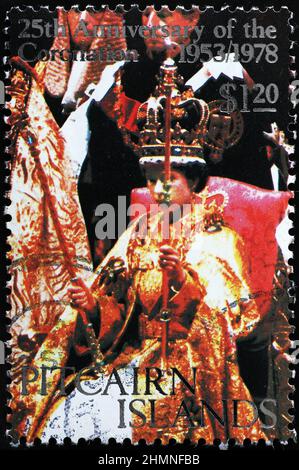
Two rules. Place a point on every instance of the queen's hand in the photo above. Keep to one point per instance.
(169, 260)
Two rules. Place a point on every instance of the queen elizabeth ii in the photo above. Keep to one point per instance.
(204, 264)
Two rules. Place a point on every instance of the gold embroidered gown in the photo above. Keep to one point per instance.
(208, 314)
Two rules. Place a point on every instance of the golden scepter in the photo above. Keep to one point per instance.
(168, 83)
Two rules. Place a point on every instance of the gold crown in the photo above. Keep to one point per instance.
(188, 117)
(193, 124)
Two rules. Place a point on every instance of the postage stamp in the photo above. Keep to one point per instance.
(150, 179)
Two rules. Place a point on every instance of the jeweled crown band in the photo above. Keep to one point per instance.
(173, 160)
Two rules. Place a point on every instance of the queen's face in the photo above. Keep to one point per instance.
(180, 190)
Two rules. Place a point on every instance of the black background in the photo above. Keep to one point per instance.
(87, 454)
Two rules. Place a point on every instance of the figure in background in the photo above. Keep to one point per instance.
(237, 143)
